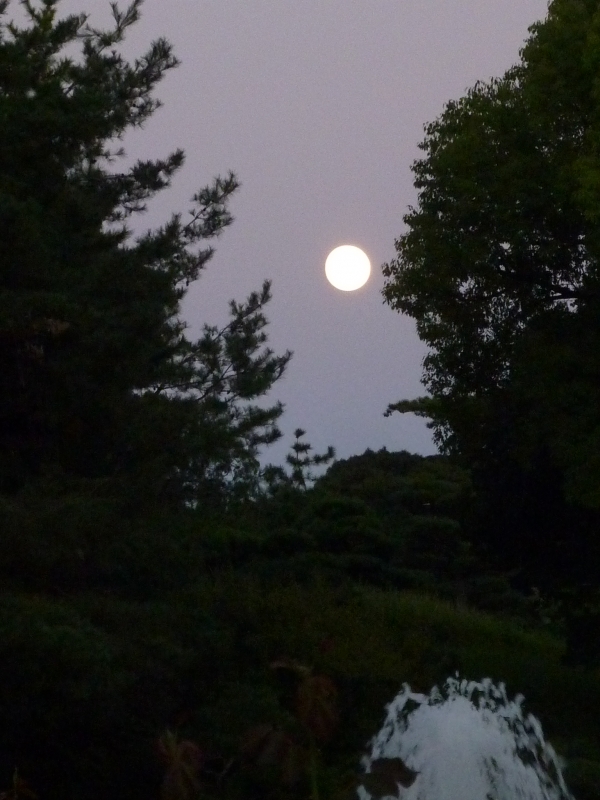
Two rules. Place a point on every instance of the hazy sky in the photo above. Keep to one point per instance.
(318, 106)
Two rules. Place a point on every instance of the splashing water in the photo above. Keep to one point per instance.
(468, 742)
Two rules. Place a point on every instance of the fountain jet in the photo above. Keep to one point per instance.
(467, 741)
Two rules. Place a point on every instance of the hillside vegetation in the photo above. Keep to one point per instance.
(178, 622)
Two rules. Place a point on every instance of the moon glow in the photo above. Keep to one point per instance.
(347, 268)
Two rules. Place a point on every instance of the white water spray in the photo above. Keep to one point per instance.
(467, 742)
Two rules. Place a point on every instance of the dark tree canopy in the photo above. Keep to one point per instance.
(99, 381)
(499, 263)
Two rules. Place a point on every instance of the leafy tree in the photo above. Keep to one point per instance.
(396, 484)
(504, 230)
(499, 266)
(414, 515)
(392, 520)
(100, 383)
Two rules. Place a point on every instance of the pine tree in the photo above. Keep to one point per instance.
(301, 461)
(98, 380)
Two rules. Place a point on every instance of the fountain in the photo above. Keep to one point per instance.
(466, 742)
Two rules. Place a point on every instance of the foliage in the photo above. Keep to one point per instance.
(499, 267)
(99, 381)
(395, 484)
(19, 790)
(151, 571)
(314, 709)
(413, 514)
(501, 236)
(301, 461)
(393, 520)
(195, 661)
(182, 761)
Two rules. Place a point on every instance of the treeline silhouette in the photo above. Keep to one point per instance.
(177, 621)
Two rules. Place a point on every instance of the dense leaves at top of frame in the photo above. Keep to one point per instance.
(99, 382)
(499, 263)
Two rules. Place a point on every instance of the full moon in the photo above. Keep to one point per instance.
(347, 268)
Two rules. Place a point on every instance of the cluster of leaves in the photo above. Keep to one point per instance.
(393, 520)
(295, 757)
(499, 266)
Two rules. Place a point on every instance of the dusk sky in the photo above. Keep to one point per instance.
(318, 107)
